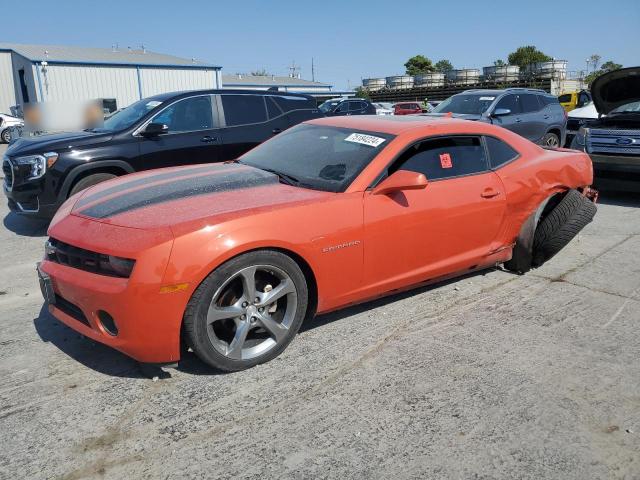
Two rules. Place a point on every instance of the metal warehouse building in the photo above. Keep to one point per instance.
(35, 73)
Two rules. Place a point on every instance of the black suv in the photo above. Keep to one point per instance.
(164, 130)
(351, 106)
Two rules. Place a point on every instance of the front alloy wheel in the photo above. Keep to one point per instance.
(247, 311)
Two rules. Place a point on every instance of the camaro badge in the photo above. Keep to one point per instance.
(342, 245)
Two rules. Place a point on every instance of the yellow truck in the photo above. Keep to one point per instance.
(577, 99)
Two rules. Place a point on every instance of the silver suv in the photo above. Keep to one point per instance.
(532, 113)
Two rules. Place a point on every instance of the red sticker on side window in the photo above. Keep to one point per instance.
(445, 160)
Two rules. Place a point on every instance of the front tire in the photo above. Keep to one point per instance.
(90, 181)
(247, 311)
(6, 135)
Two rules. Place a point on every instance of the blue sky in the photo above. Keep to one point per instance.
(348, 39)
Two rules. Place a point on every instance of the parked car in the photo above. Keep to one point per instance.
(532, 113)
(232, 258)
(6, 123)
(407, 108)
(347, 106)
(164, 130)
(579, 117)
(572, 100)
(613, 140)
(383, 108)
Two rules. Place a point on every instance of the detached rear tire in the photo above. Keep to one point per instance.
(561, 225)
(247, 311)
(90, 181)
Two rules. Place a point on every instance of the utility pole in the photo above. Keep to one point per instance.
(313, 72)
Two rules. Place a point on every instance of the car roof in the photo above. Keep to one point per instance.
(500, 91)
(232, 91)
(395, 125)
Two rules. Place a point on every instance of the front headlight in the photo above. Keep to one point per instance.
(38, 163)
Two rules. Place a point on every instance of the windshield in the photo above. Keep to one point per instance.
(130, 115)
(328, 106)
(632, 107)
(466, 104)
(318, 156)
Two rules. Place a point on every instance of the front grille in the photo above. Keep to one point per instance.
(7, 170)
(70, 309)
(75, 257)
(609, 141)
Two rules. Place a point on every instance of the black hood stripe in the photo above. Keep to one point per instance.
(133, 183)
(189, 187)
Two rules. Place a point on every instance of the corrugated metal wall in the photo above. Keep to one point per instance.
(62, 83)
(65, 83)
(7, 90)
(160, 80)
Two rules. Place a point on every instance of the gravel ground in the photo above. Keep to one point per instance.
(491, 376)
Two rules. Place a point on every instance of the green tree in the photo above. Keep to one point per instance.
(418, 64)
(443, 66)
(260, 73)
(499, 63)
(362, 93)
(527, 54)
(608, 66)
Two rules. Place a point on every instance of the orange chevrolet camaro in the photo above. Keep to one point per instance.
(230, 258)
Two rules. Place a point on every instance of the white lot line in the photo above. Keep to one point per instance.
(622, 307)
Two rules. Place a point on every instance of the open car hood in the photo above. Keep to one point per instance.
(613, 89)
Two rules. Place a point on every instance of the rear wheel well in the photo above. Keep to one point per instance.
(555, 131)
(111, 169)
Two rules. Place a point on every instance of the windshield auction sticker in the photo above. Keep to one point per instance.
(363, 139)
(487, 99)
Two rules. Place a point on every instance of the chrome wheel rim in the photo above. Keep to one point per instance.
(552, 141)
(252, 312)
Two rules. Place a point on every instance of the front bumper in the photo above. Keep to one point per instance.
(616, 172)
(148, 322)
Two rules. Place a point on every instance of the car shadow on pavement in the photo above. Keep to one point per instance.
(620, 199)
(322, 320)
(93, 355)
(28, 227)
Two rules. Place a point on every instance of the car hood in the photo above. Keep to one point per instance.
(56, 141)
(613, 89)
(173, 196)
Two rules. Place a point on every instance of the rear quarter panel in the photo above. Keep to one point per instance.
(537, 175)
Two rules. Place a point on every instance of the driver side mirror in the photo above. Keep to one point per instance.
(401, 180)
(501, 112)
(154, 129)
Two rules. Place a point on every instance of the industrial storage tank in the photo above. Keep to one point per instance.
(400, 82)
(373, 84)
(432, 79)
(556, 69)
(502, 73)
(465, 76)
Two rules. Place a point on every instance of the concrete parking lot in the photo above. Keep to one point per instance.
(491, 376)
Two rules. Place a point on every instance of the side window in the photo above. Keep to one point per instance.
(564, 98)
(499, 152)
(529, 103)
(343, 107)
(288, 103)
(443, 158)
(511, 102)
(356, 106)
(583, 99)
(272, 108)
(243, 109)
(187, 115)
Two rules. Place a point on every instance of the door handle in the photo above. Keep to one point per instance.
(545, 116)
(208, 139)
(276, 131)
(489, 193)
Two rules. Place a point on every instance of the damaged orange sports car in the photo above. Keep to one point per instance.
(229, 259)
